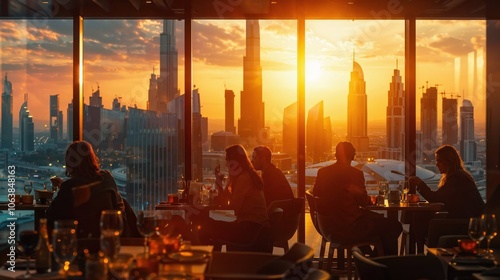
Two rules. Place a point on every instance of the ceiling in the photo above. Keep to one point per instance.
(262, 9)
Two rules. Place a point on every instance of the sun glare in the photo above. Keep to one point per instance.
(313, 70)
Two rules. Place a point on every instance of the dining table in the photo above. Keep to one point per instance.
(393, 211)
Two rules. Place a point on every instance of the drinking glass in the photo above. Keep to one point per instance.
(64, 244)
(490, 223)
(477, 230)
(146, 224)
(28, 240)
(28, 187)
(383, 188)
(111, 229)
(181, 186)
(404, 186)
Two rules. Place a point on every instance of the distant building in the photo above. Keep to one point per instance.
(229, 111)
(318, 134)
(251, 127)
(290, 130)
(395, 119)
(428, 120)
(468, 145)
(7, 119)
(357, 115)
(151, 149)
(56, 119)
(26, 128)
(449, 121)
(223, 139)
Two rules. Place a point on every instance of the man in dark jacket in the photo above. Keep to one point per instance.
(276, 186)
(342, 192)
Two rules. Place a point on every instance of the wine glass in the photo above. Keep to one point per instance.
(28, 240)
(28, 187)
(64, 244)
(111, 228)
(146, 224)
(490, 223)
(477, 230)
(383, 188)
(181, 186)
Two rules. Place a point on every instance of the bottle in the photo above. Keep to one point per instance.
(43, 254)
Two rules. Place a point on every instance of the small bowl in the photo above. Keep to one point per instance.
(27, 199)
(413, 198)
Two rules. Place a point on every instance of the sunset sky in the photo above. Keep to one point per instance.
(119, 56)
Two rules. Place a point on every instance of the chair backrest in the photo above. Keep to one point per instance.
(367, 268)
(312, 208)
(289, 221)
(301, 256)
(317, 274)
(440, 227)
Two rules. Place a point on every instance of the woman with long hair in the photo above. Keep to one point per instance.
(244, 193)
(456, 190)
(87, 192)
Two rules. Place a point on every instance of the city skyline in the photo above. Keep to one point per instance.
(217, 50)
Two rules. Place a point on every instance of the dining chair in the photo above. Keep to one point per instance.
(262, 241)
(313, 214)
(398, 267)
(317, 274)
(285, 228)
(342, 246)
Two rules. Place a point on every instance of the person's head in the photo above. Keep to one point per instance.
(345, 152)
(81, 160)
(261, 157)
(237, 162)
(448, 160)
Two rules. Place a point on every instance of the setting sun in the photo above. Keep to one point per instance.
(313, 70)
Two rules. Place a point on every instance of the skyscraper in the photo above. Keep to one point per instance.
(251, 123)
(357, 117)
(395, 119)
(290, 130)
(318, 134)
(167, 88)
(7, 120)
(55, 119)
(449, 121)
(229, 111)
(428, 121)
(152, 157)
(26, 128)
(468, 146)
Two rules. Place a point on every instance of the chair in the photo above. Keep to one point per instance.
(441, 227)
(398, 267)
(313, 213)
(286, 227)
(262, 242)
(317, 274)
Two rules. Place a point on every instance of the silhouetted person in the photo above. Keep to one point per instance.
(276, 186)
(342, 192)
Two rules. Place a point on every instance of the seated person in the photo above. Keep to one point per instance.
(456, 190)
(87, 192)
(276, 186)
(342, 192)
(244, 194)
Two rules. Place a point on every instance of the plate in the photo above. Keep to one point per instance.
(189, 256)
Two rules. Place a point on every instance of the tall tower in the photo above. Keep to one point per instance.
(395, 119)
(7, 120)
(449, 121)
(468, 144)
(251, 122)
(428, 119)
(167, 82)
(290, 130)
(229, 118)
(26, 127)
(55, 119)
(357, 110)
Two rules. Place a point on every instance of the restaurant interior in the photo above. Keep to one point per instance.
(409, 13)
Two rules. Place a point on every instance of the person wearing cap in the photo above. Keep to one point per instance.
(276, 186)
(342, 192)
